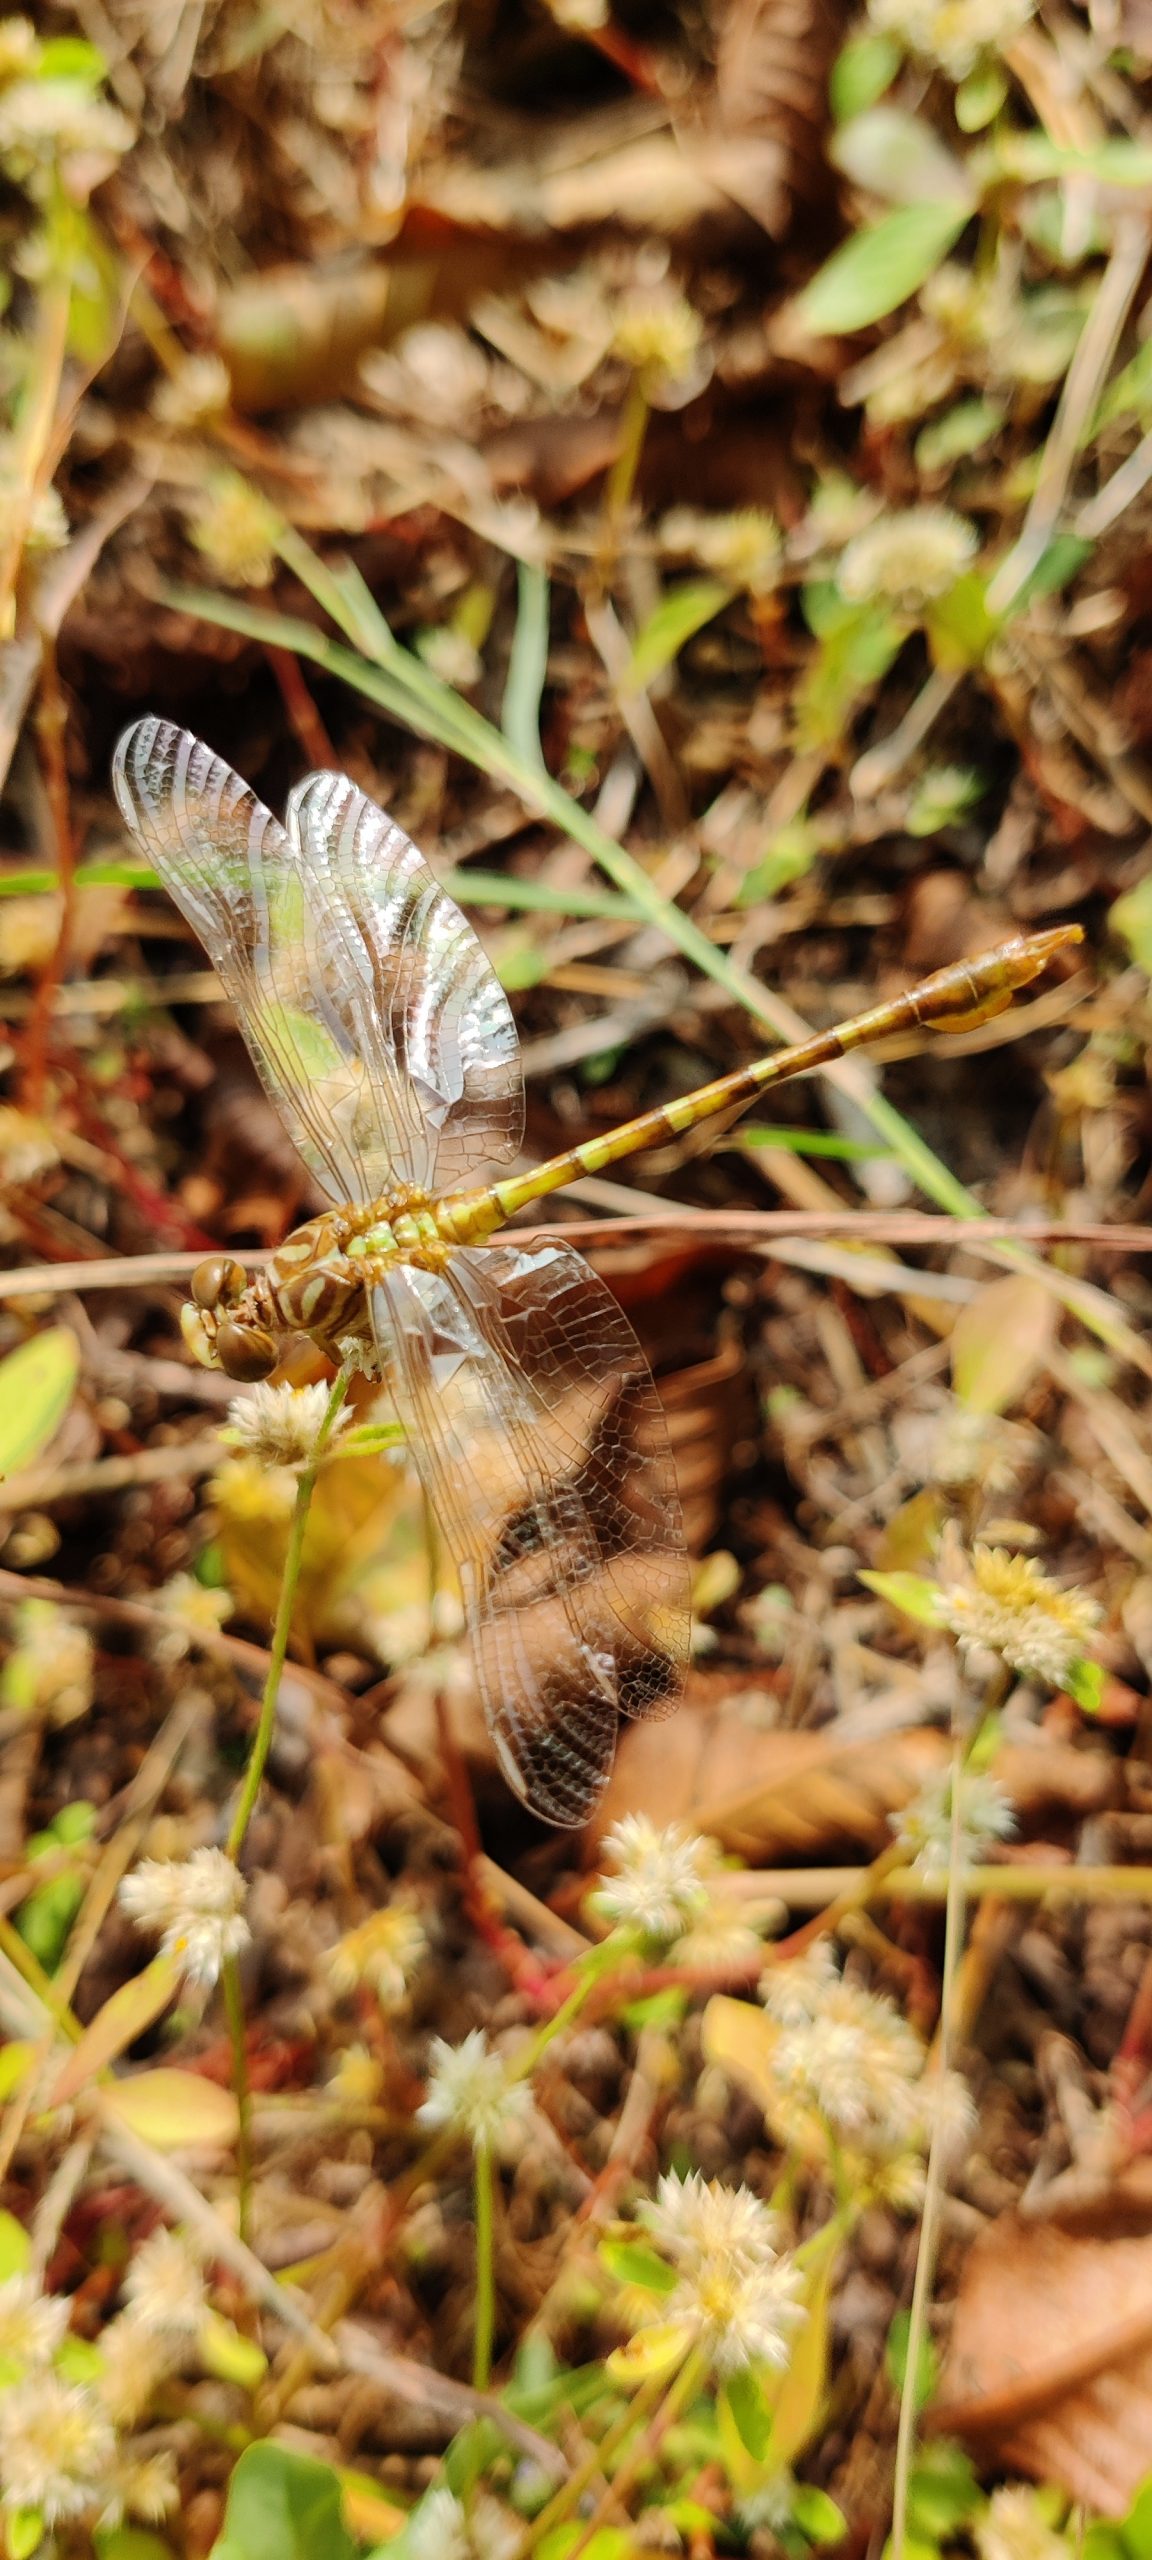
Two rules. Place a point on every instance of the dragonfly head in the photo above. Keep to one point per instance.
(220, 1329)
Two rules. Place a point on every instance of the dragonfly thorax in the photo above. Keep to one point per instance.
(316, 1283)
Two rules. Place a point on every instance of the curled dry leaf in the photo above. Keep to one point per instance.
(1050, 2364)
(770, 1796)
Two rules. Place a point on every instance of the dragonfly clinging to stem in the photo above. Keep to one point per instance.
(386, 1042)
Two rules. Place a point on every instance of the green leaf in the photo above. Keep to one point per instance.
(1084, 1681)
(470, 2454)
(958, 625)
(961, 431)
(806, 1142)
(1059, 564)
(896, 2359)
(818, 2516)
(527, 663)
(633, 2262)
(911, 1592)
(943, 2491)
(23, 2532)
(223, 2348)
(1105, 2542)
(876, 270)
(1113, 164)
(71, 58)
(1131, 918)
(1137, 2525)
(283, 2506)
(899, 157)
(857, 646)
(751, 2415)
(37, 1382)
(680, 613)
(862, 71)
(980, 97)
(610, 2542)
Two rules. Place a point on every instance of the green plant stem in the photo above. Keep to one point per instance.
(682, 2388)
(572, 2489)
(934, 2176)
(233, 1990)
(285, 1606)
(485, 2191)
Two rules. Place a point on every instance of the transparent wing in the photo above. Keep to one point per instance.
(418, 996)
(361, 990)
(538, 1432)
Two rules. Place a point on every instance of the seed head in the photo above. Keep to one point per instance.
(451, 656)
(247, 1491)
(32, 2324)
(237, 531)
(56, 2447)
(659, 334)
(383, 1953)
(743, 2315)
(471, 2089)
(907, 560)
(664, 1879)
(743, 546)
(19, 47)
(924, 1828)
(358, 2078)
(1009, 1605)
(165, 2287)
(194, 1905)
(280, 1426)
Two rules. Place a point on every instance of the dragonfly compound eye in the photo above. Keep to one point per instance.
(244, 1351)
(218, 1281)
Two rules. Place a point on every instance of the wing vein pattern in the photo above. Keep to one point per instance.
(535, 1424)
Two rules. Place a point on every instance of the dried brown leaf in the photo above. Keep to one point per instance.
(1050, 2364)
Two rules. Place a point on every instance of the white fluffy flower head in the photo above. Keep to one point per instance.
(438, 2529)
(664, 1879)
(194, 1905)
(56, 2447)
(1010, 1606)
(1015, 2527)
(694, 2221)
(924, 1827)
(907, 560)
(32, 2323)
(165, 2287)
(471, 2089)
(742, 2314)
(281, 1425)
(383, 1953)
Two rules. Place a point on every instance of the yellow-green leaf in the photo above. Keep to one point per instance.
(36, 1387)
(910, 1592)
(878, 269)
(228, 2354)
(800, 2398)
(676, 618)
(652, 2352)
(1000, 1341)
(174, 2108)
(742, 2039)
(129, 2012)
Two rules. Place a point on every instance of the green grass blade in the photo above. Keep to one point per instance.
(527, 664)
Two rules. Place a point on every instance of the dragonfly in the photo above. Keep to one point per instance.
(387, 1044)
